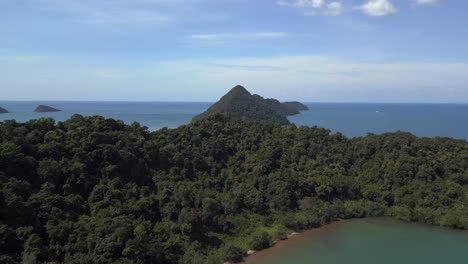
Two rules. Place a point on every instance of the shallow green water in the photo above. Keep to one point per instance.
(376, 240)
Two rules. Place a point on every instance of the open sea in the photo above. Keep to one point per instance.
(351, 119)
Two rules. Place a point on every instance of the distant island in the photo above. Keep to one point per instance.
(46, 109)
(3, 111)
(241, 103)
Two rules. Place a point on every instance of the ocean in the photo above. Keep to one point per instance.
(154, 115)
(351, 119)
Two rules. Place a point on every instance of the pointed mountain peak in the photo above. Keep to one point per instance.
(239, 90)
(241, 103)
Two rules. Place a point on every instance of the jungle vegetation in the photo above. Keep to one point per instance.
(95, 190)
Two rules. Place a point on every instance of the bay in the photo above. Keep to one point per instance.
(370, 241)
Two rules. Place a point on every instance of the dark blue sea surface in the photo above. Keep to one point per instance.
(351, 119)
(358, 119)
(154, 115)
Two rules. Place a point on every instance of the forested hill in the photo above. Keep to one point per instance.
(241, 103)
(94, 190)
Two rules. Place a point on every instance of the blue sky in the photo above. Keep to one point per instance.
(195, 50)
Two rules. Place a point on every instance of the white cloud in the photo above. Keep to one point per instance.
(106, 12)
(322, 78)
(313, 7)
(334, 8)
(302, 3)
(124, 17)
(226, 37)
(30, 59)
(109, 74)
(378, 8)
(427, 2)
(311, 78)
(309, 3)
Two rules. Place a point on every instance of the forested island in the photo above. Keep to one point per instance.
(46, 109)
(95, 190)
(3, 111)
(239, 102)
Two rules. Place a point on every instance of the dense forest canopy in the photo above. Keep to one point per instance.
(94, 190)
(239, 102)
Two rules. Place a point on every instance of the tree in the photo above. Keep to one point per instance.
(260, 240)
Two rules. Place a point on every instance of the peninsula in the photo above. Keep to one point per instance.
(296, 105)
(3, 111)
(239, 102)
(46, 109)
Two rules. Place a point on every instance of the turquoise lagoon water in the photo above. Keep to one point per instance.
(371, 241)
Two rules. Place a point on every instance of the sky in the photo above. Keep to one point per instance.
(196, 50)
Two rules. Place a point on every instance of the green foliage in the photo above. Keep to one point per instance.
(260, 240)
(240, 103)
(233, 254)
(94, 190)
(296, 106)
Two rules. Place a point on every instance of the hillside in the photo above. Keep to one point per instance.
(94, 190)
(3, 110)
(297, 106)
(241, 103)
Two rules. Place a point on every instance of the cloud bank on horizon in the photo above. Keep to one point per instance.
(194, 50)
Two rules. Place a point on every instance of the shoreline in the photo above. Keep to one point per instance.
(250, 258)
(251, 254)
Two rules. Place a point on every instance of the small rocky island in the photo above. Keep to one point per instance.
(46, 109)
(3, 111)
(240, 102)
